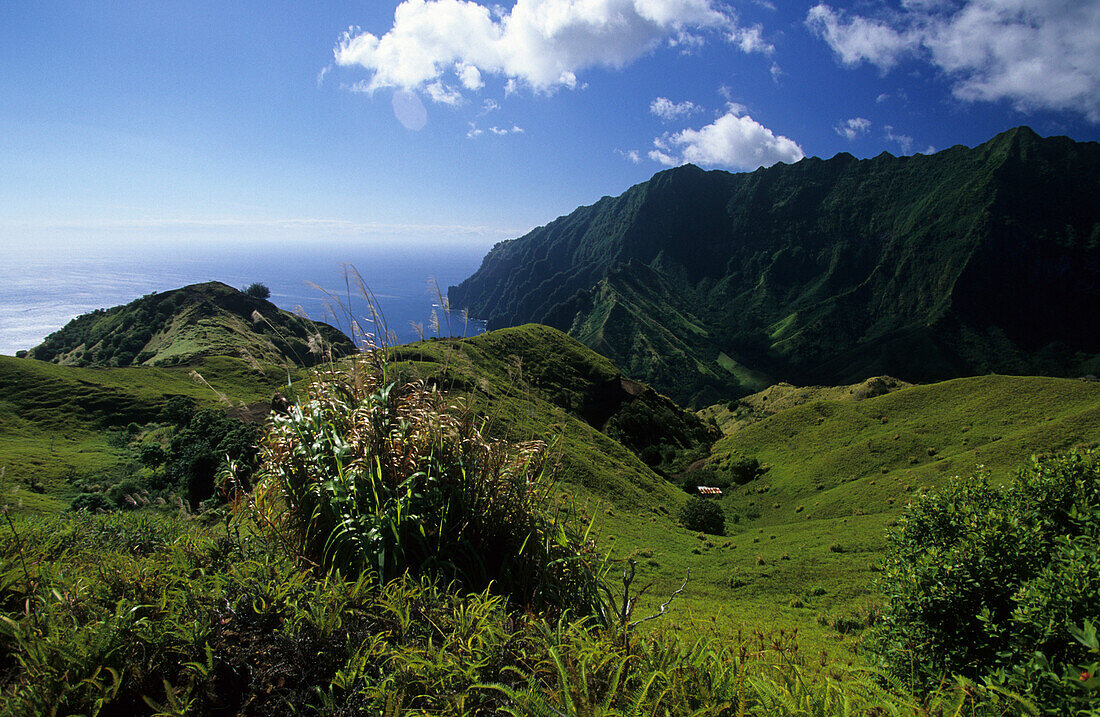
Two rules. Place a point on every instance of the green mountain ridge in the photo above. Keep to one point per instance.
(179, 326)
(711, 285)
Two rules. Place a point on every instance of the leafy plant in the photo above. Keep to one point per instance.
(368, 476)
(990, 582)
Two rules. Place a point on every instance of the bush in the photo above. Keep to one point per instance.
(257, 290)
(745, 469)
(381, 478)
(703, 515)
(993, 583)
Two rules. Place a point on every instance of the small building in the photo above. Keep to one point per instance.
(708, 491)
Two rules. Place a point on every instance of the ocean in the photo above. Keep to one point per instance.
(40, 295)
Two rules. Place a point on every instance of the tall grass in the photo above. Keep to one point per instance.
(366, 475)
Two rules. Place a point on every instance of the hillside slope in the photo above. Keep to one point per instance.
(534, 382)
(178, 326)
(711, 285)
(56, 422)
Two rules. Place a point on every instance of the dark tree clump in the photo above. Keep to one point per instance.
(703, 515)
(257, 290)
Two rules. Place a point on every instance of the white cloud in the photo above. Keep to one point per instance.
(542, 44)
(669, 161)
(631, 155)
(444, 94)
(852, 128)
(736, 108)
(1037, 54)
(750, 39)
(731, 141)
(474, 132)
(904, 141)
(861, 39)
(667, 110)
(470, 76)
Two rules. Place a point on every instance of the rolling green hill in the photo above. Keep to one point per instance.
(56, 422)
(802, 539)
(711, 285)
(175, 327)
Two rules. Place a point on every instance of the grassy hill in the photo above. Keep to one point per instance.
(839, 474)
(711, 285)
(802, 539)
(176, 327)
(56, 422)
(536, 382)
(735, 415)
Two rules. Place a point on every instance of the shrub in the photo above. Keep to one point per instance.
(992, 582)
(703, 515)
(745, 469)
(257, 290)
(367, 476)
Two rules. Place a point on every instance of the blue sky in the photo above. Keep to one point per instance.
(125, 122)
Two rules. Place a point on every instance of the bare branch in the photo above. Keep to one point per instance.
(664, 606)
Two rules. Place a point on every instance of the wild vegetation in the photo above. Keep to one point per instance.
(1000, 583)
(287, 606)
(711, 285)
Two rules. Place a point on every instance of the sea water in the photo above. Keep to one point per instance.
(40, 295)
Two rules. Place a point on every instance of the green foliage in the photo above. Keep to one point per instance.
(146, 615)
(654, 428)
(993, 582)
(703, 515)
(257, 290)
(182, 458)
(382, 479)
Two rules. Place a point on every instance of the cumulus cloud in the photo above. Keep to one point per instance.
(852, 128)
(733, 141)
(860, 39)
(750, 39)
(631, 155)
(1037, 54)
(541, 44)
(668, 110)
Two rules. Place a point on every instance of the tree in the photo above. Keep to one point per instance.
(999, 583)
(703, 515)
(257, 290)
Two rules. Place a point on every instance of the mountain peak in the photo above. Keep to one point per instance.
(967, 261)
